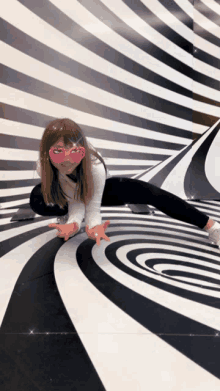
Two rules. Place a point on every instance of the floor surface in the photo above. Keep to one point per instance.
(140, 312)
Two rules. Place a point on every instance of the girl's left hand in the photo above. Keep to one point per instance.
(65, 230)
(100, 230)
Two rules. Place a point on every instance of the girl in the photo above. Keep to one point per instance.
(75, 183)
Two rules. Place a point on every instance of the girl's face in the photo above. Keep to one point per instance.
(66, 159)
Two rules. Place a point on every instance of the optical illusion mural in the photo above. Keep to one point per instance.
(140, 312)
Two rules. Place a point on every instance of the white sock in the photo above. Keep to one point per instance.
(215, 226)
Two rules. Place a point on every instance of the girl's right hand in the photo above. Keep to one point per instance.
(100, 229)
(65, 230)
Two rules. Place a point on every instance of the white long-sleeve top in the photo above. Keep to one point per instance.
(77, 210)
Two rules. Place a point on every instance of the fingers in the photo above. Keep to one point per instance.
(57, 226)
(63, 236)
(91, 235)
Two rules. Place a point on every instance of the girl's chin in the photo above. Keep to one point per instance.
(66, 168)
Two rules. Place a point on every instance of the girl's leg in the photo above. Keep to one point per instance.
(121, 191)
(38, 205)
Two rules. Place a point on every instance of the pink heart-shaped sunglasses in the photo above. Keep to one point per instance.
(76, 154)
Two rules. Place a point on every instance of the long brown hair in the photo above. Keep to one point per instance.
(50, 186)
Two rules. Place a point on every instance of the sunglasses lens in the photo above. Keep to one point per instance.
(75, 154)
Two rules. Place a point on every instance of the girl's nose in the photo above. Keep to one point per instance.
(68, 154)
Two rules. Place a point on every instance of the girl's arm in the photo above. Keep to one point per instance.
(92, 212)
(76, 208)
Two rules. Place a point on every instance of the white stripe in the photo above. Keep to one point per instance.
(97, 28)
(32, 67)
(18, 154)
(7, 221)
(107, 35)
(18, 175)
(16, 191)
(169, 19)
(205, 108)
(12, 232)
(212, 202)
(22, 99)
(174, 181)
(120, 9)
(164, 267)
(66, 83)
(29, 23)
(203, 90)
(213, 5)
(4, 212)
(206, 207)
(13, 204)
(131, 19)
(200, 19)
(131, 162)
(25, 175)
(209, 71)
(126, 335)
(22, 154)
(196, 281)
(14, 261)
(19, 129)
(159, 295)
(198, 130)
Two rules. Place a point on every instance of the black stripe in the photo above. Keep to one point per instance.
(208, 59)
(160, 177)
(23, 223)
(188, 21)
(33, 86)
(37, 278)
(158, 24)
(153, 314)
(151, 263)
(33, 48)
(204, 119)
(31, 117)
(15, 198)
(43, 90)
(208, 101)
(19, 183)
(9, 141)
(106, 16)
(19, 142)
(98, 9)
(128, 167)
(16, 165)
(178, 12)
(205, 34)
(201, 278)
(207, 12)
(202, 188)
(21, 206)
(133, 254)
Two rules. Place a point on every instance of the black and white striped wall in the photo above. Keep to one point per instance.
(140, 77)
(140, 312)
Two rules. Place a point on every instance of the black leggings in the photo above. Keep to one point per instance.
(121, 191)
